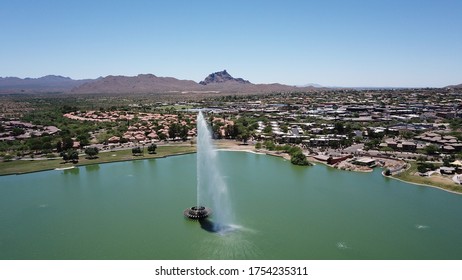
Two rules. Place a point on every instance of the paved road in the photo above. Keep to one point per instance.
(354, 148)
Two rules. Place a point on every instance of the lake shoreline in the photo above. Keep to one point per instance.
(226, 145)
(221, 145)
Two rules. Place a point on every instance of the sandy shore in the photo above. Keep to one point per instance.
(231, 145)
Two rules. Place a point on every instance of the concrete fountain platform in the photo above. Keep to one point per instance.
(197, 212)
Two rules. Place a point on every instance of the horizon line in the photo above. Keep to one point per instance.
(315, 85)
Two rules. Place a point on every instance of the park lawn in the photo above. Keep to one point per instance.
(26, 166)
(176, 107)
(437, 181)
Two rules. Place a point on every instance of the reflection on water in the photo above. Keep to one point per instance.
(92, 167)
(72, 171)
(227, 242)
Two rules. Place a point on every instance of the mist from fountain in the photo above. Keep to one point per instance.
(211, 188)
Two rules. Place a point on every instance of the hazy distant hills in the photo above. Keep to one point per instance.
(50, 83)
(455, 86)
(313, 85)
(218, 82)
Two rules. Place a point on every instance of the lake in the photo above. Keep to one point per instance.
(134, 210)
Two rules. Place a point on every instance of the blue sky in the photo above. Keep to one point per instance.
(333, 43)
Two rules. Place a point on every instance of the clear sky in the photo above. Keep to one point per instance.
(332, 43)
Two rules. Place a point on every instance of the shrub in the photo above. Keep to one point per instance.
(91, 152)
(136, 151)
(299, 158)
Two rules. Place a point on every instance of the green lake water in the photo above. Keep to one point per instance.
(134, 210)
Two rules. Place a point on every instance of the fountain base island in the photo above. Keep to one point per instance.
(197, 212)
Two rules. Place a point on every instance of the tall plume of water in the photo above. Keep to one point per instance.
(211, 188)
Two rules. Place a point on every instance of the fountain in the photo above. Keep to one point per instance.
(210, 185)
(197, 212)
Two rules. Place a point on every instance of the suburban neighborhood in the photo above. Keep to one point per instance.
(346, 128)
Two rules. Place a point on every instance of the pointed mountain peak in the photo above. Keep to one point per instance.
(221, 77)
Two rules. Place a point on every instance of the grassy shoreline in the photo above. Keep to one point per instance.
(434, 182)
(18, 167)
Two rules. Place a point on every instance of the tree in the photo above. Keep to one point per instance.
(339, 127)
(387, 172)
(84, 139)
(431, 149)
(35, 144)
(244, 136)
(17, 131)
(67, 143)
(269, 145)
(174, 130)
(421, 159)
(242, 133)
(162, 136)
(424, 167)
(447, 160)
(59, 146)
(152, 148)
(74, 156)
(91, 152)
(70, 155)
(244, 121)
(258, 146)
(216, 129)
(298, 158)
(184, 132)
(67, 109)
(47, 146)
(268, 129)
(421, 168)
(406, 134)
(371, 144)
(137, 151)
(231, 131)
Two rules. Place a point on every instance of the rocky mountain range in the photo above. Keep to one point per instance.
(143, 83)
(50, 83)
(218, 82)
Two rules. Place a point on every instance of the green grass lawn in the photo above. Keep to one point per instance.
(176, 107)
(409, 176)
(25, 166)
